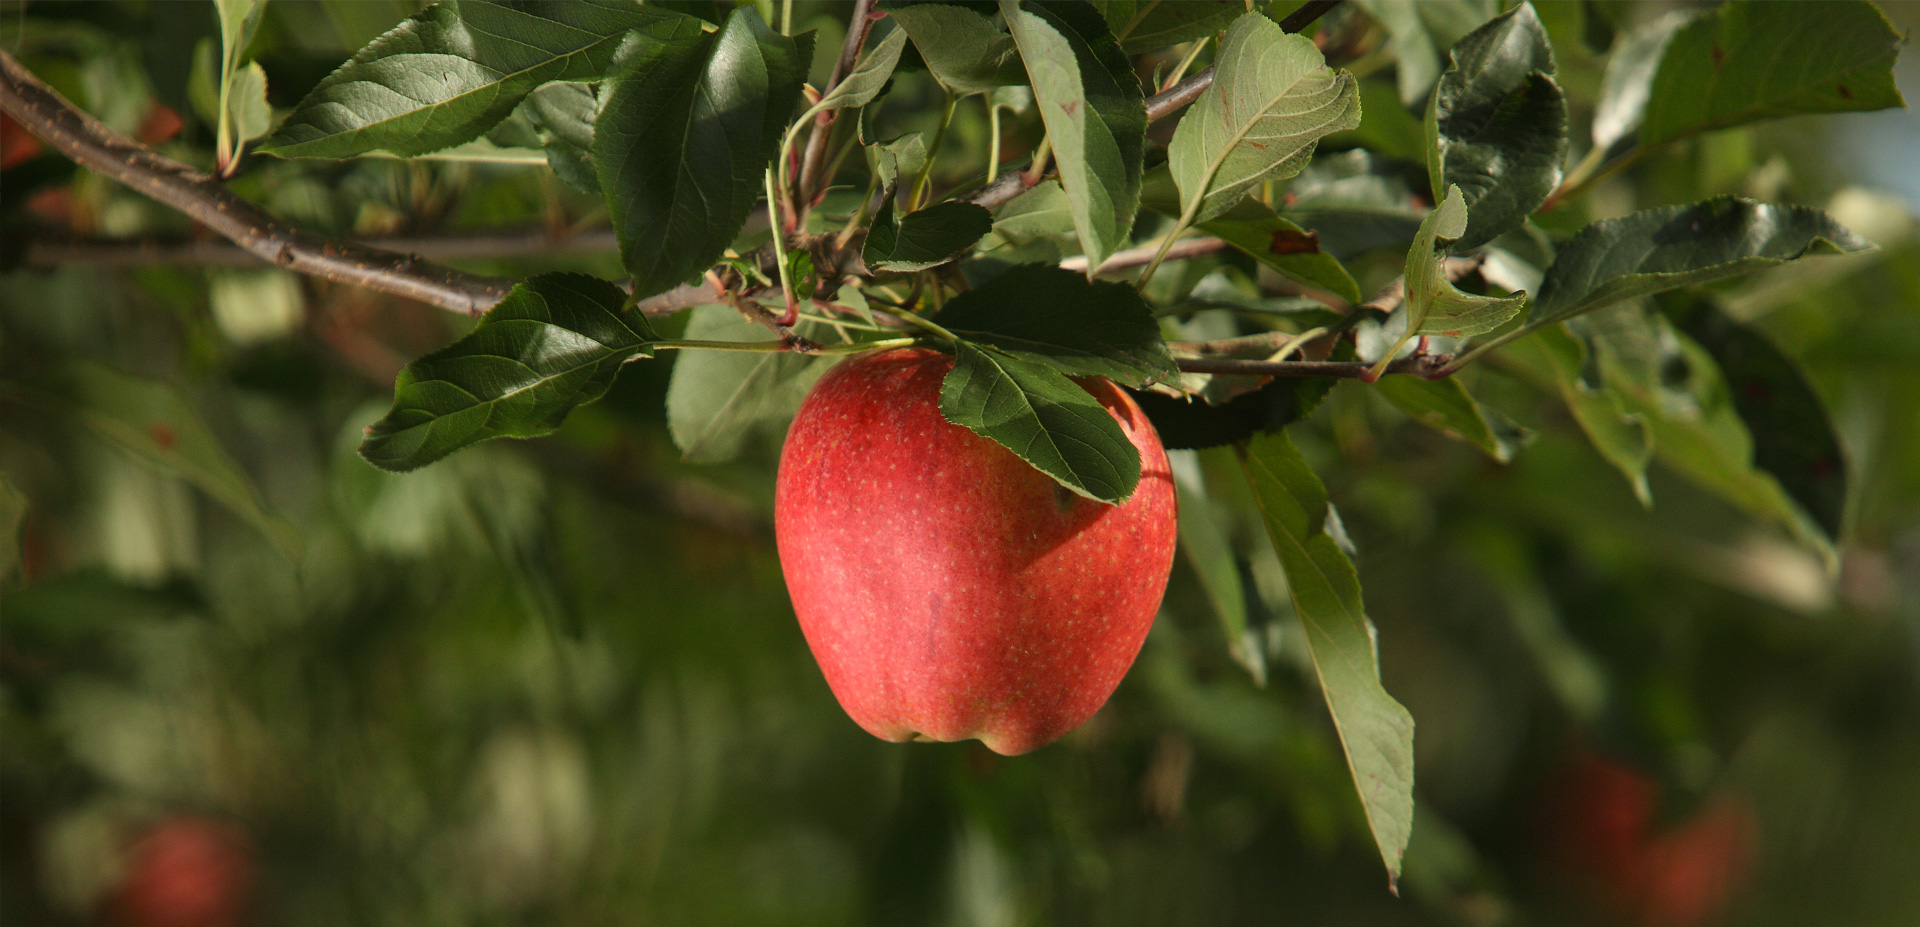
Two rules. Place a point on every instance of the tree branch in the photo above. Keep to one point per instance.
(90, 143)
(1135, 257)
(1422, 365)
(48, 253)
(815, 157)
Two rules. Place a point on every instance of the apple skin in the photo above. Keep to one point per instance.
(187, 871)
(947, 588)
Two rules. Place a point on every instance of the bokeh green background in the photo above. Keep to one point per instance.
(558, 681)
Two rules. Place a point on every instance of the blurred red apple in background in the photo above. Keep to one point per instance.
(1601, 824)
(187, 871)
(947, 588)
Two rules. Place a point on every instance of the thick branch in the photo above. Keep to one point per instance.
(94, 146)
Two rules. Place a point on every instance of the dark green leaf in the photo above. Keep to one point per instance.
(1497, 125)
(1792, 437)
(1751, 61)
(1674, 246)
(1048, 420)
(1094, 112)
(1144, 25)
(154, 422)
(923, 238)
(565, 114)
(963, 50)
(1445, 406)
(1622, 437)
(447, 75)
(1043, 314)
(554, 343)
(717, 400)
(1273, 98)
(1375, 729)
(688, 123)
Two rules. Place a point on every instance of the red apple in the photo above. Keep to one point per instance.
(948, 589)
(187, 871)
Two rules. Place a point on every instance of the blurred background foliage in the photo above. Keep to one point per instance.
(247, 677)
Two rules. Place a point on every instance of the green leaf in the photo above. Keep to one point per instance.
(1375, 730)
(1048, 420)
(1252, 227)
(554, 343)
(1622, 437)
(247, 99)
(449, 74)
(1209, 551)
(1280, 244)
(13, 511)
(239, 19)
(1793, 439)
(155, 422)
(1674, 246)
(564, 113)
(688, 124)
(1043, 314)
(1144, 25)
(718, 400)
(1497, 125)
(963, 50)
(899, 157)
(1628, 83)
(1434, 305)
(923, 238)
(1445, 406)
(863, 84)
(1091, 104)
(1039, 214)
(1273, 97)
(1751, 61)
(1420, 31)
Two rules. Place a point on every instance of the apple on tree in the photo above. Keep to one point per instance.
(948, 589)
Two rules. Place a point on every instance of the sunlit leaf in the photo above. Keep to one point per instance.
(1434, 305)
(1751, 61)
(1273, 97)
(1375, 730)
(1095, 114)
(449, 74)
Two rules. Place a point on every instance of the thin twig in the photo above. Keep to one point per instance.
(90, 143)
(1134, 257)
(46, 253)
(811, 162)
(1423, 366)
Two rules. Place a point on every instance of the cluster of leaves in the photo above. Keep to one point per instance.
(683, 124)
